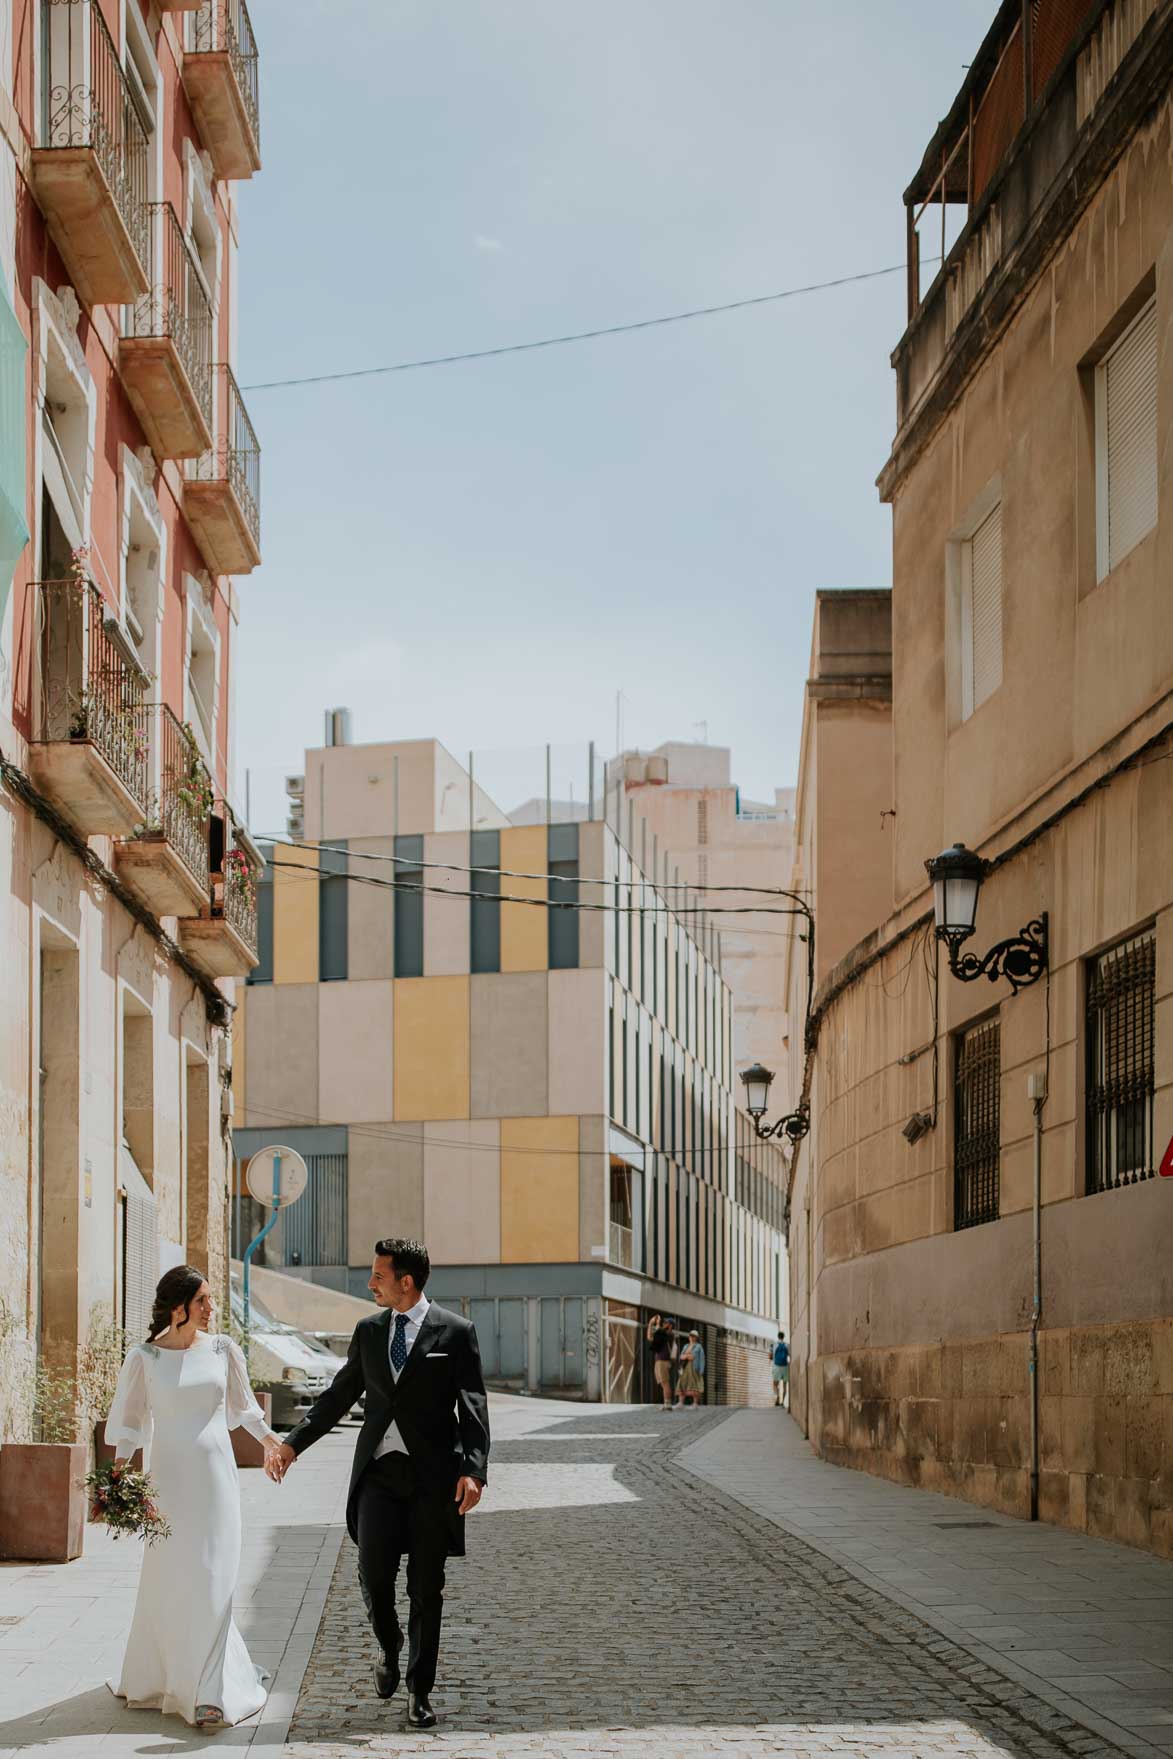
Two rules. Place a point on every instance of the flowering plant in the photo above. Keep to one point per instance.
(238, 875)
(124, 1499)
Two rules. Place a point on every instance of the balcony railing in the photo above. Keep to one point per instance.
(235, 897)
(87, 106)
(90, 693)
(221, 31)
(182, 805)
(177, 305)
(226, 513)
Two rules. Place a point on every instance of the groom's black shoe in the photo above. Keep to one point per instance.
(387, 1673)
(419, 1712)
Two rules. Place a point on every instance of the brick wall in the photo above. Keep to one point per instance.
(742, 1371)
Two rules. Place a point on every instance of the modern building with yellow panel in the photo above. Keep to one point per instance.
(504, 1040)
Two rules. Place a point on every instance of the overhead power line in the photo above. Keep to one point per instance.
(595, 335)
(414, 866)
(406, 887)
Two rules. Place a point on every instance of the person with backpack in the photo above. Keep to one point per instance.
(781, 1372)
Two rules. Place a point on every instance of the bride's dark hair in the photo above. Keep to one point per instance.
(177, 1288)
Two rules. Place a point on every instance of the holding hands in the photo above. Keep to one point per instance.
(279, 1456)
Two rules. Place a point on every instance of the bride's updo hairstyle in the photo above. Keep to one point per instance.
(177, 1288)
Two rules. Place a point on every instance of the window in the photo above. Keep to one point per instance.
(1120, 1018)
(485, 907)
(981, 612)
(977, 1138)
(332, 911)
(1126, 441)
(562, 860)
(201, 685)
(262, 972)
(409, 907)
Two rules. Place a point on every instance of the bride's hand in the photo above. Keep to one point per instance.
(274, 1461)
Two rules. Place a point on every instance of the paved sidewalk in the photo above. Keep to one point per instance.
(1085, 1623)
(614, 1603)
(63, 1626)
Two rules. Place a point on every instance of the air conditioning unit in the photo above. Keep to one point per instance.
(295, 787)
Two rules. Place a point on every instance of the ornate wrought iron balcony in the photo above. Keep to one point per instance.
(166, 860)
(90, 753)
(221, 75)
(222, 940)
(90, 169)
(166, 360)
(222, 495)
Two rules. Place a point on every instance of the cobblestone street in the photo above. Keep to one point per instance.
(614, 1602)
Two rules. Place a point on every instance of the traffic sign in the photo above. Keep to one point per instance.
(276, 1176)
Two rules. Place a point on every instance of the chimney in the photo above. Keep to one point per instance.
(338, 726)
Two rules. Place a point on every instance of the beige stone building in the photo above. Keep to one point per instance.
(544, 1094)
(700, 828)
(957, 1122)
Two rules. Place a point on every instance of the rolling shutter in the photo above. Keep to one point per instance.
(984, 592)
(1128, 394)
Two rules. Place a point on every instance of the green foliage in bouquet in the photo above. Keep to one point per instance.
(124, 1499)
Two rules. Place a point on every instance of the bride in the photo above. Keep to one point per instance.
(182, 1391)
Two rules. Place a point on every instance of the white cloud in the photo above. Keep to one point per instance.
(489, 245)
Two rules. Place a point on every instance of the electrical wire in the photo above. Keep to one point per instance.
(594, 335)
(403, 887)
(414, 866)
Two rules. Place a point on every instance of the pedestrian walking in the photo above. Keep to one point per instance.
(420, 1464)
(781, 1370)
(692, 1374)
(659, 1337)
(180, 1393)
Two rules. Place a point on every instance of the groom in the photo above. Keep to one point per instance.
(421, 1460)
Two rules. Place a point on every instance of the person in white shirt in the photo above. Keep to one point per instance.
(421, 1463)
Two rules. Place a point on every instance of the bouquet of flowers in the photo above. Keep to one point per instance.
(124, 1498)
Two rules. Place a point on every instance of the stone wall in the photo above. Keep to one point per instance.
(741, 1372)
(955, 1418)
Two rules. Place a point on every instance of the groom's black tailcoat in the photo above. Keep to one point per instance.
(439, 1403)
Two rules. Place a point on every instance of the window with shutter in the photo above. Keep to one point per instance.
(1126, 442)
(981, 584)
(140, 1249)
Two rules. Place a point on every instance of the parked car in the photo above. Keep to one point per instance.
(292, 1367)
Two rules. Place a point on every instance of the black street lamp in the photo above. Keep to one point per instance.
(957, 877)
(795, 1125)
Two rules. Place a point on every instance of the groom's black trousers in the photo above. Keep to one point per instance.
(399, 1517)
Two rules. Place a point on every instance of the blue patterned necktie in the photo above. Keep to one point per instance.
(399, 1343)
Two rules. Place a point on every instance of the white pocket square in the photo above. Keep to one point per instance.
(432, 1353)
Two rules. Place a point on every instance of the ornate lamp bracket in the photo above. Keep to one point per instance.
(794, 1126)
(1021, 960)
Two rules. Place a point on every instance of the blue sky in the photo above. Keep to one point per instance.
(488, 552)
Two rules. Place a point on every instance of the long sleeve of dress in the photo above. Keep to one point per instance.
(242, 1409)
(128, 1425)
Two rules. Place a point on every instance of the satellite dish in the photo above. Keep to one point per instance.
(276, 1176)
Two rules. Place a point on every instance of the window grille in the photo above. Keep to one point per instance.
(1120, 1030)
(976, 1099)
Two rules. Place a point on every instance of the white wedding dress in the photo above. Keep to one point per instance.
(184, 1648)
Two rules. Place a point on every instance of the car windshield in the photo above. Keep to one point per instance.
(260, 1319)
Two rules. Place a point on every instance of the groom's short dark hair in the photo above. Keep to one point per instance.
(409, 1257)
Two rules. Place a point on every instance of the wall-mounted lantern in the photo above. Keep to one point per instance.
(795, 1125)
(957, 877)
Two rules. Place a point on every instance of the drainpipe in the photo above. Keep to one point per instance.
(1037, 1091)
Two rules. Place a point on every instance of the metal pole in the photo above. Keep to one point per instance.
(1036, 1310)
(253, 1244)
(591, 782)
(547, 784)
(395, 796)
(471, 806)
